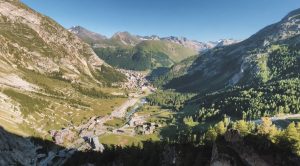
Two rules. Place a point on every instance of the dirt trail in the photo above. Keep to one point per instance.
(275, 118)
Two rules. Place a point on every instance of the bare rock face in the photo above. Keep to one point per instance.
(220, 158)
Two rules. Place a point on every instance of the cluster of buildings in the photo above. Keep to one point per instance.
(136, 80)
(146, 128)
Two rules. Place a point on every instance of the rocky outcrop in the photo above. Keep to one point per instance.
(95, 144)
(217, 160)
(232, 151)
(30, 151)
(62, 136)
(233, 136)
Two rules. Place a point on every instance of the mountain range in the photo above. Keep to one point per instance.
(128, 39)
(144, 52)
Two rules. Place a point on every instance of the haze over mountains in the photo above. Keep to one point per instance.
(67, 96)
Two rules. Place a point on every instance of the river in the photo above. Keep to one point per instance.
(135, 109)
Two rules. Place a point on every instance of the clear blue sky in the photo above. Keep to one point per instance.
(203, 20)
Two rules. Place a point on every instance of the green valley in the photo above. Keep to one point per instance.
(77, 97)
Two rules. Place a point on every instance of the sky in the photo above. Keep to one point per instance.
(202, 20)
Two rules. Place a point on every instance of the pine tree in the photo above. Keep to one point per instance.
(220, 128)
(265, 127)
(268, 129)
(242, 126)
(293, 137)
(291, 132)
(211, 134)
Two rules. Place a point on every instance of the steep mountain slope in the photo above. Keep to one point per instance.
(246, 62)
(161, 76)
(37, 43)
(48, 76)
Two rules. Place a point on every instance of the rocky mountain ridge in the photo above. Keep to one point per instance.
(200, 46)
(35, 42)
(134, 52)
(88, 35)
(128, 39)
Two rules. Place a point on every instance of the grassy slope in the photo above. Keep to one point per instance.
(276, 61)
(161, 76)
(145, 55)
(125, 140)
(246, 62)
(174, 51)
(60, 103)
